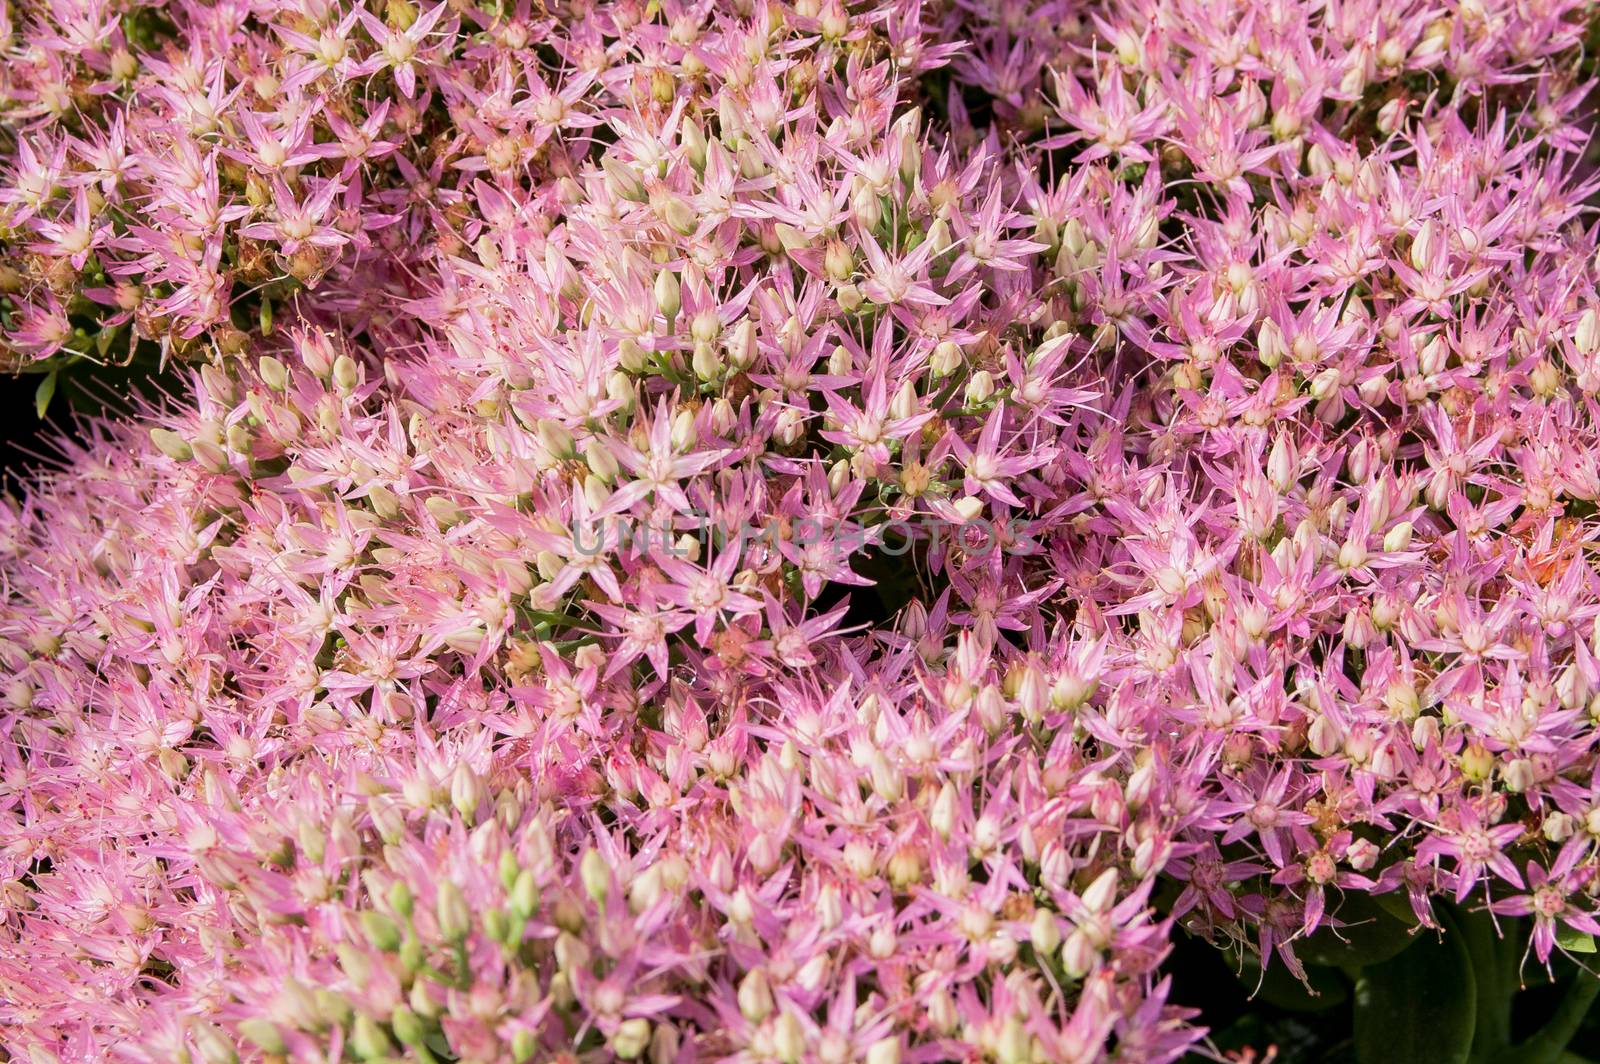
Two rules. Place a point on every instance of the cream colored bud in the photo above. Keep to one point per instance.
(742, 349)
(884, 1051)
(755, 996)
(1476, 763)
(623, 179)
(171, 444)
(840, 362)
(904, 403)
(346, 374)
(595, 875)
(1423, 243)
(838, 261)
(1078, 954)
(556, 439)
(274, 374)
(1283, 464)
(677, 213)
(466, 791)
(980, 387)
(706, 362)
(631, 1038)
(684, 433)
(1586, 336)
(214, 1045)
(668, 294)
(1558, 827)
(1517, 775)
(602, 463)
(788, 1038)
(1045, 934)
(968, 507)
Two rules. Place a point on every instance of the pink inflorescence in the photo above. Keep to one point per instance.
(479, 662)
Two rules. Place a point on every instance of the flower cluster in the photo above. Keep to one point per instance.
(1249, 352)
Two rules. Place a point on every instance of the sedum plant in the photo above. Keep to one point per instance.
(799, 532)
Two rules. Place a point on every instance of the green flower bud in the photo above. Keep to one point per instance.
(274, 374)
(525, 895)
(368, 1040)
(346, 374)
(631, 1038)
(400, 898)
(509, 869)
(496, 925)
(332, 1007)
(357, 968)
(668, 294)
(263, 1034)
(214, 1046)
(172, 445)
(556, 439)
(596, 876)
(408, 1026)
(380, 931)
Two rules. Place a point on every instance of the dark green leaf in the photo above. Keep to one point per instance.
(1396, 903)
(1280, 988)
(1419, 1006)
(1370, 934)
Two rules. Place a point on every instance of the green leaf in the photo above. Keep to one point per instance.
(1419, 1006)
(1574, 941)
(1371, 935)
(44, 393)
(1397, 904)
(1280, 988)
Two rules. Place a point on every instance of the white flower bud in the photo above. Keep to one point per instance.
(968, 507)
(631, 1038)
(602, 463)
(904, 403)
(1283, 464)
(684, 433)
(1078, 954)
(1586, 336)
(1517, 775)
(554, 438)
(595, 875)
(668, 294)
(623, 179)
(274, 374)
(1045, 934)
(1558, 827)
(346, 374)
(450, 911)
(884, 1051)
(946, 358)
(1422, 245)
(214, 1046)
(1102, 893)
(706, 362)
(1362, 854)
(466, 791)
(755, 996)
(171, 444)
(980, 387)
